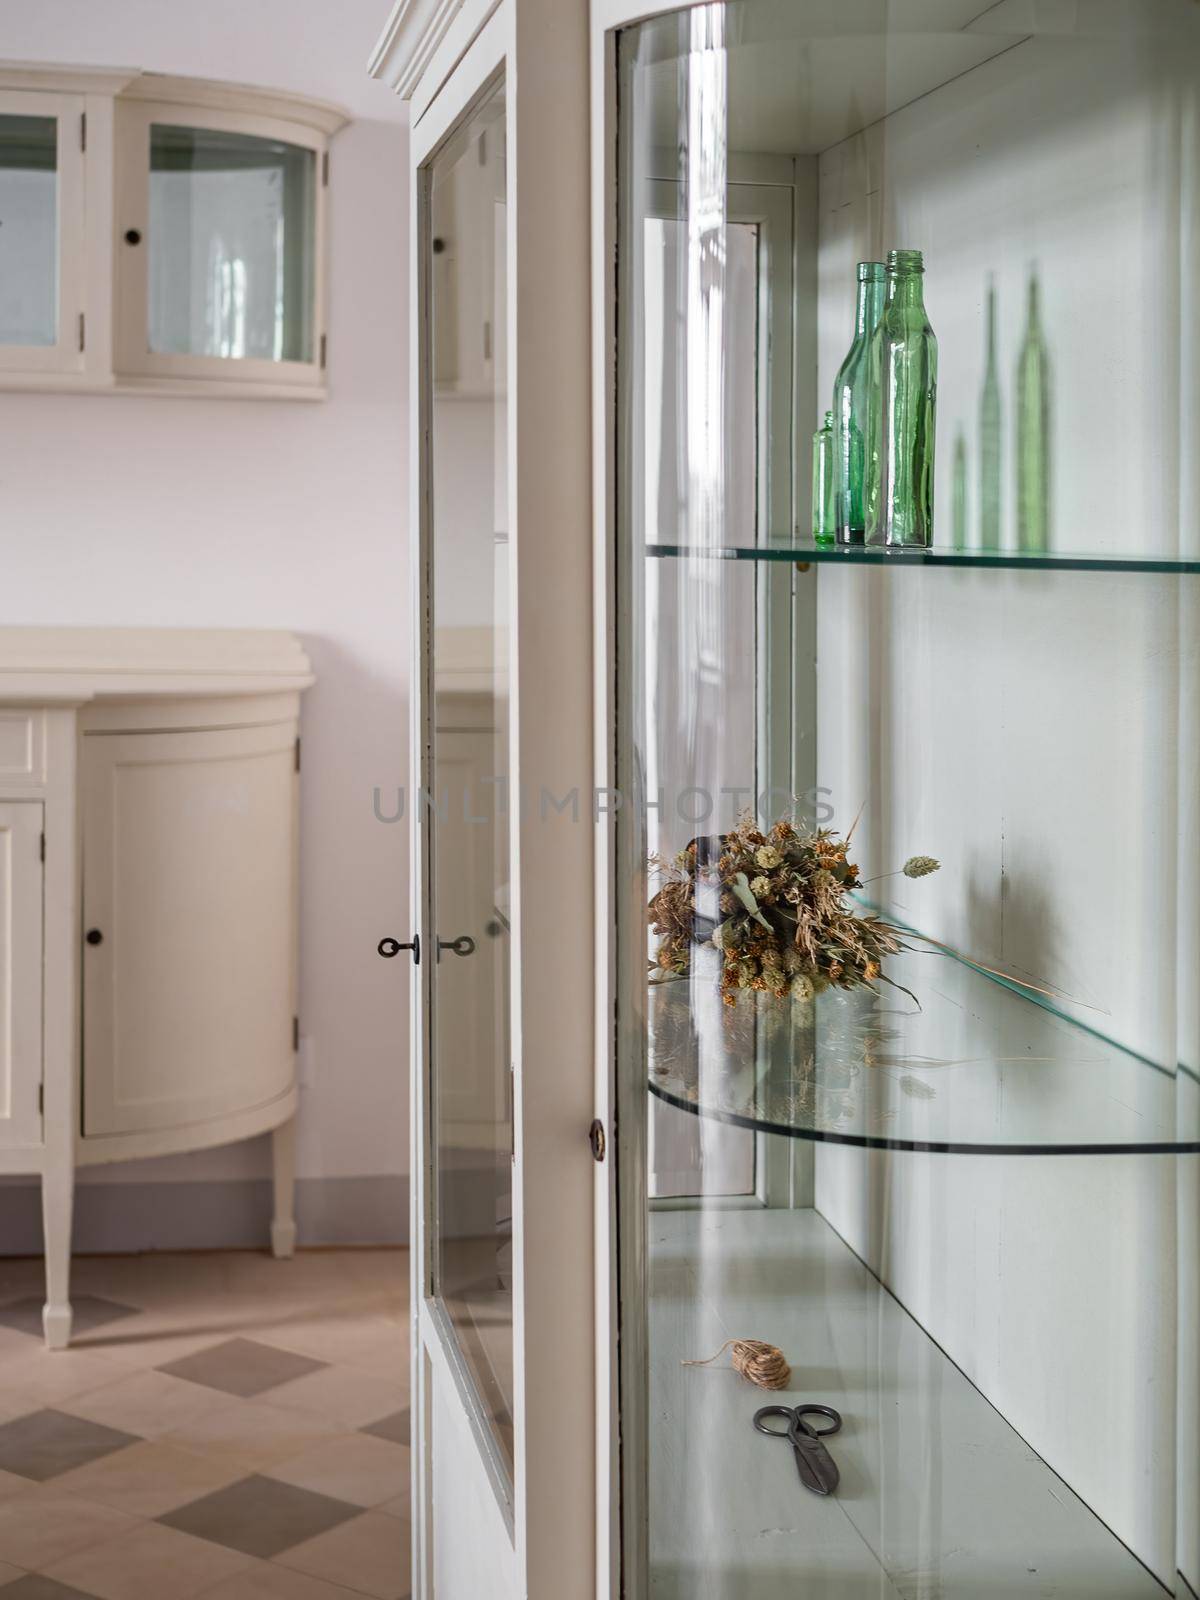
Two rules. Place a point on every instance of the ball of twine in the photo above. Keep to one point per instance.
(760, 1363)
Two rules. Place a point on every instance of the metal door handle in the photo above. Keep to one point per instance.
(464, 945)
(388, 948)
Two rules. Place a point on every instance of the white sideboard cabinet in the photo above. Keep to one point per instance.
(148, 906)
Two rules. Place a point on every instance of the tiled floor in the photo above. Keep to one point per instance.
(225, 1426)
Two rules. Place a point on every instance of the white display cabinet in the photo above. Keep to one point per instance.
(149, 839)
(162, 234)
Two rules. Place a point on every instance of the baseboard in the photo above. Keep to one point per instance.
(233, 1215)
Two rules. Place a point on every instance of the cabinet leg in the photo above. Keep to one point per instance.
(283, 1224)
(58, 1196)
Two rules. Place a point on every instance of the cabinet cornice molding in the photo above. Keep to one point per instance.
(49, 78)
(74, 664)
(211, 95)
(409, 40)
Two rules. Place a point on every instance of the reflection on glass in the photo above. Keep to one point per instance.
(1033, 431)
(232, 243)
(989, 437)
(28, 230)
(961, 537)
(471, 1082)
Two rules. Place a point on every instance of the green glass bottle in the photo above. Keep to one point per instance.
(989, 438)
(903, 423)
(824, 515)
(961, 540)
(1033, 432)
(852, 403)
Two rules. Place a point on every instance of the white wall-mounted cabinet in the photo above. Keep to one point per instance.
(163, 234)
(149, 834)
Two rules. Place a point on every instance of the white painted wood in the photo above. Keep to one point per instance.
(410, 38)
(551, 1553)
(283, 1221)
(61, 1043)
(81, 664)
(22, 748)
(188, 876)
(58, 1197)
(194, 821)
(20, 974)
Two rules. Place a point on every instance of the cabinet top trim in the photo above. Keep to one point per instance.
(203, 93)
(85, 663)
(409, 40)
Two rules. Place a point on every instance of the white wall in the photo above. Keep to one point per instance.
(1029, 731)
(129, 510)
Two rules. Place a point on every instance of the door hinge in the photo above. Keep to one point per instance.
(325, 170)
(42, 848)
(41, 1099)
(296, 755)
(324, 350)
(82, 331)
(295, 1033)
(83, 130)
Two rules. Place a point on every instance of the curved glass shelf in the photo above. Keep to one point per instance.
(981, 1069)
(870, 556)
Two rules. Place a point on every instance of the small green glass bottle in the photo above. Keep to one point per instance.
(903, 422)
(852, 400)
(1033, 433)
(989, 437)
(824, 517)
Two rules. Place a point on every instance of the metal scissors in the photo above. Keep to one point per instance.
(817, 1468)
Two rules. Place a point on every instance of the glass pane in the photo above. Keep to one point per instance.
(232, 241)
(468, 809)
(28, 230)
(909, 859)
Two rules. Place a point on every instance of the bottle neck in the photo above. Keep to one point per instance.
(906, 291)
(871, 293)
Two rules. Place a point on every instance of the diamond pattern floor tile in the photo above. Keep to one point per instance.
(397, 1428)
(260, 1517)
(150, 1563)
(34, 1586)
(89, 1313)
(243, 1367)
(46, 1444)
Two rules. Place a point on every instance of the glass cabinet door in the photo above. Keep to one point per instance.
(467, 811)
(219, 221)
(231, 240)
(41, 203)
(905, 423)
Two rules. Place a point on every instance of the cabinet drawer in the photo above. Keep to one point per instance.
(22, 748)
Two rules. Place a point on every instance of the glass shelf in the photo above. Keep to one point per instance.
(869, 556)
(980, 1069)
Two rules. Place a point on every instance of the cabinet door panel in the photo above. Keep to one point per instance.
(189, 879)
(20, 974)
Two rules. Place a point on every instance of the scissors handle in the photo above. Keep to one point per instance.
(802, 1413)
(817, 1468)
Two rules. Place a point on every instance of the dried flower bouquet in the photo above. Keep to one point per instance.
(782, 923)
